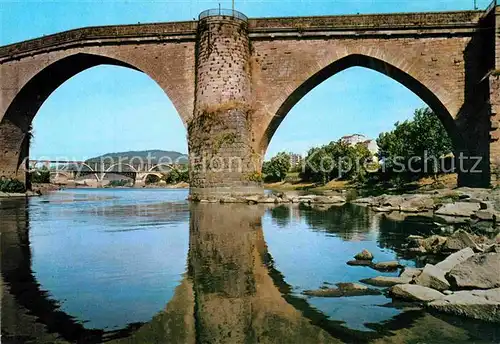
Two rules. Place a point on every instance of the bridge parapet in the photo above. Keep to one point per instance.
(102, 34)
(458, 19)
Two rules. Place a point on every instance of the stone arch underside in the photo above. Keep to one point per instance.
(36, 80)
(366, 61)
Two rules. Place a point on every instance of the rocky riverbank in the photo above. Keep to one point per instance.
(455, 205)
(464, 282)
(446, 205)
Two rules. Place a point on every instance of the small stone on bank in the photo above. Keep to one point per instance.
(364, 255)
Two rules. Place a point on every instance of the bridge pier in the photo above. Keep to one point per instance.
(222, 159)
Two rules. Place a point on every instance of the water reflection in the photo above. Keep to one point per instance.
(246, 268)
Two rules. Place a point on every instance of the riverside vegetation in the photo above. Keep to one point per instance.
(420, 143)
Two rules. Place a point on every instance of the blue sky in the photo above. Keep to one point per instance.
(120, 109)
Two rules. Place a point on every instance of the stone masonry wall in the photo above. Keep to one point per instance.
(220, 145)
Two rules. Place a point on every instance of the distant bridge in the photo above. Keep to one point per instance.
(99, 170)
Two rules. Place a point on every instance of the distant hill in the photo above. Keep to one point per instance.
(155, 156)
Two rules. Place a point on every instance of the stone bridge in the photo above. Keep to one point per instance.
(233, 80)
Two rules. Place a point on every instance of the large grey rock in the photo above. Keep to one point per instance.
(476, 304)
(358, 262)
(410, 273)
(386, 281)
(432, 277)
(343, 290)
(386, 266)
(482, 271)
(413, 292)
(463, 209)
(454, 259)
(328, 199)
(486, 215)
(460, 240)
(393, 201)
(253, 199)
(364, 201)
(364, 255)
(434, 243)
(268, 200)
(416, 204)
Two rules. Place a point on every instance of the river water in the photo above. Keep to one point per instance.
(145, 266)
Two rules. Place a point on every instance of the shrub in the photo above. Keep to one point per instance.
(12, 186)
(40, 177)
(176, 176)
(118, 183)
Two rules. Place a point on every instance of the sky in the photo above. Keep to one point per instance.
(118, 109)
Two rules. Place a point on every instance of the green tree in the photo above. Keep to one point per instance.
(338, 159)
(277, 168)
(423, 137)
(177, 175)
(40, 176)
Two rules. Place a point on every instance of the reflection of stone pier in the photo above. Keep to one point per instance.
(228, 295)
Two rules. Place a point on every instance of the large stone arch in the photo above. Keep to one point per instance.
(433, 95)
(26, 85)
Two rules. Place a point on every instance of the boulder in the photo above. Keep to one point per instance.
(486, 215)
(252, 199)
(433, 277)
(415, 240)
(328, 200)
(454, 259)
(459, 240)
(228, 200)
(416, 204)
(413, 292)
(410, 273)
(386, 281)
(481, 271)
(392, 201)
(306, 198)
(364, 255)
(267, 200)
(364, 201)
(477, 304)
(462, 209)
(434, 243)
(360, 262)
(386, 266)
(342, 290)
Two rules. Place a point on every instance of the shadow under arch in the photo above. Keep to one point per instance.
(22, 110)
(383, 67)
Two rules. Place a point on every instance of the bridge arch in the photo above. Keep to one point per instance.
(152, 169)
(15, 122)
(399, 74)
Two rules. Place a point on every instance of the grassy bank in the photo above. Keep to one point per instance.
(446, 181)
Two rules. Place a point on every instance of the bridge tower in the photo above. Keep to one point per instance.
(222, 160)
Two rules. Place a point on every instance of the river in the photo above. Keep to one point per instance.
(145, 266)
